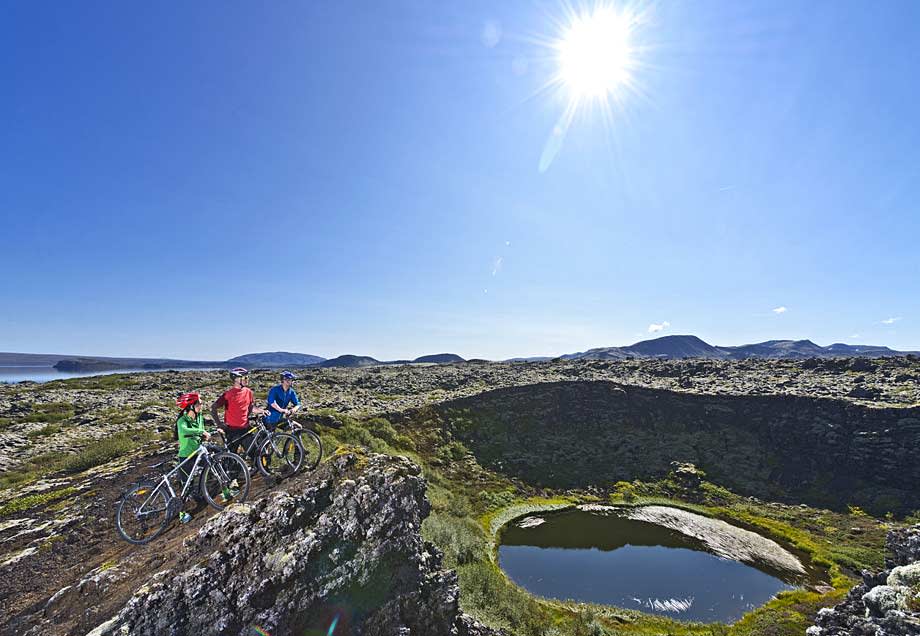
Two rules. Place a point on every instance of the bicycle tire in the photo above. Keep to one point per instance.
(137, 496)
(225, 480)
(280, 456)
(312, 448)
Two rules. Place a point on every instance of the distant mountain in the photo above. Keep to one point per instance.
(779, 349)
(529, 359)
(440, 358)
(274, 359)
(838, 348)
(676, 347)
(664, 347)
(350, 361)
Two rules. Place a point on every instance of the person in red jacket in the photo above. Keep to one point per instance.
(238, 404)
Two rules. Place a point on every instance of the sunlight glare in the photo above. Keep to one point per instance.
(596, 60)
(594, 53)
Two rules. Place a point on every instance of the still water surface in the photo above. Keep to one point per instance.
(610, 559)
(46, 374)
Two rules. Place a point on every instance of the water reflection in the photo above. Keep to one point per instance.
(610, 559)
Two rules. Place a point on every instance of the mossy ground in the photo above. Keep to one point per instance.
(22, 504)
(98, 453)
(470, 504)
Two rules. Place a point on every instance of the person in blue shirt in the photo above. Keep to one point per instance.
(282, 399)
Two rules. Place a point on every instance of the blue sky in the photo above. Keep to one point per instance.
(207, 179)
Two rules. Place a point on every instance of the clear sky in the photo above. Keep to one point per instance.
(206, 179)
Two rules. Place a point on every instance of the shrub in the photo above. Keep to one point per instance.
(382, 429)
(45, 431)
(461, 540)
(489, 596)
(625, 491)
(103, 451)
(453, 451)
(50, 412)
(498, 499)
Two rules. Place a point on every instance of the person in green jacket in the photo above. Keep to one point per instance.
(190, 433)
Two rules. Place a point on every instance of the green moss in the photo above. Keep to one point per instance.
(103, 451)
(45, 431)
(624, 491)
(50, 412)
(382, 429)
(101, 382)
(98, 453)
(21, 504)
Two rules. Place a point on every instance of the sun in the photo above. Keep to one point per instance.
(596, 60)
(594, 54)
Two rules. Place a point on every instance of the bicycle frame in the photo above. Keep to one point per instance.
(257, 432)
(201, 456)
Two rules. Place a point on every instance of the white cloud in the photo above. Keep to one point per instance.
(890, 321)
(854, 336)
(780, 310)
(656, 327)
(497, 266)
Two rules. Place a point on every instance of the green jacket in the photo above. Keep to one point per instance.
(188, 428)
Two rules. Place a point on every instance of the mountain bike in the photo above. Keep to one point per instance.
(309, 441)
(146, 508)
(277, 455)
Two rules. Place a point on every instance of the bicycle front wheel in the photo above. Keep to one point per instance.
(225, 480)
(280, 456)
(142, 512)
(312, 448)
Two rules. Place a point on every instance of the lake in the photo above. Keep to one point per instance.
(611, 559)
(46, 374)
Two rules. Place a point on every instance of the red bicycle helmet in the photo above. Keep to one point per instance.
(186, 400)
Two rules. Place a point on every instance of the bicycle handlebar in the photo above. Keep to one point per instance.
(214, 432)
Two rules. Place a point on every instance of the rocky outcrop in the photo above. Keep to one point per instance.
(342, 554)
(884, 604)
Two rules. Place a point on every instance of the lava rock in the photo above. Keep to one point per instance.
(349, 538)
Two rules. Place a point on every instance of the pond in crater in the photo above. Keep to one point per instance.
(657, 560)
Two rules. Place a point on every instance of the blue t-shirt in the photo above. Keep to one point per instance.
(283, 398)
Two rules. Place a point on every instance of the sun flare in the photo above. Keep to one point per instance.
(594, 54)
(596, 60)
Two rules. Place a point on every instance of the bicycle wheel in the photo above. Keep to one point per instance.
(312, 448)
(280, 456)
(225, 480)
(142, 512)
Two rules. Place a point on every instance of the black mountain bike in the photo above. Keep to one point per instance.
(277, 455)
(309, 441)
(146, 508)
